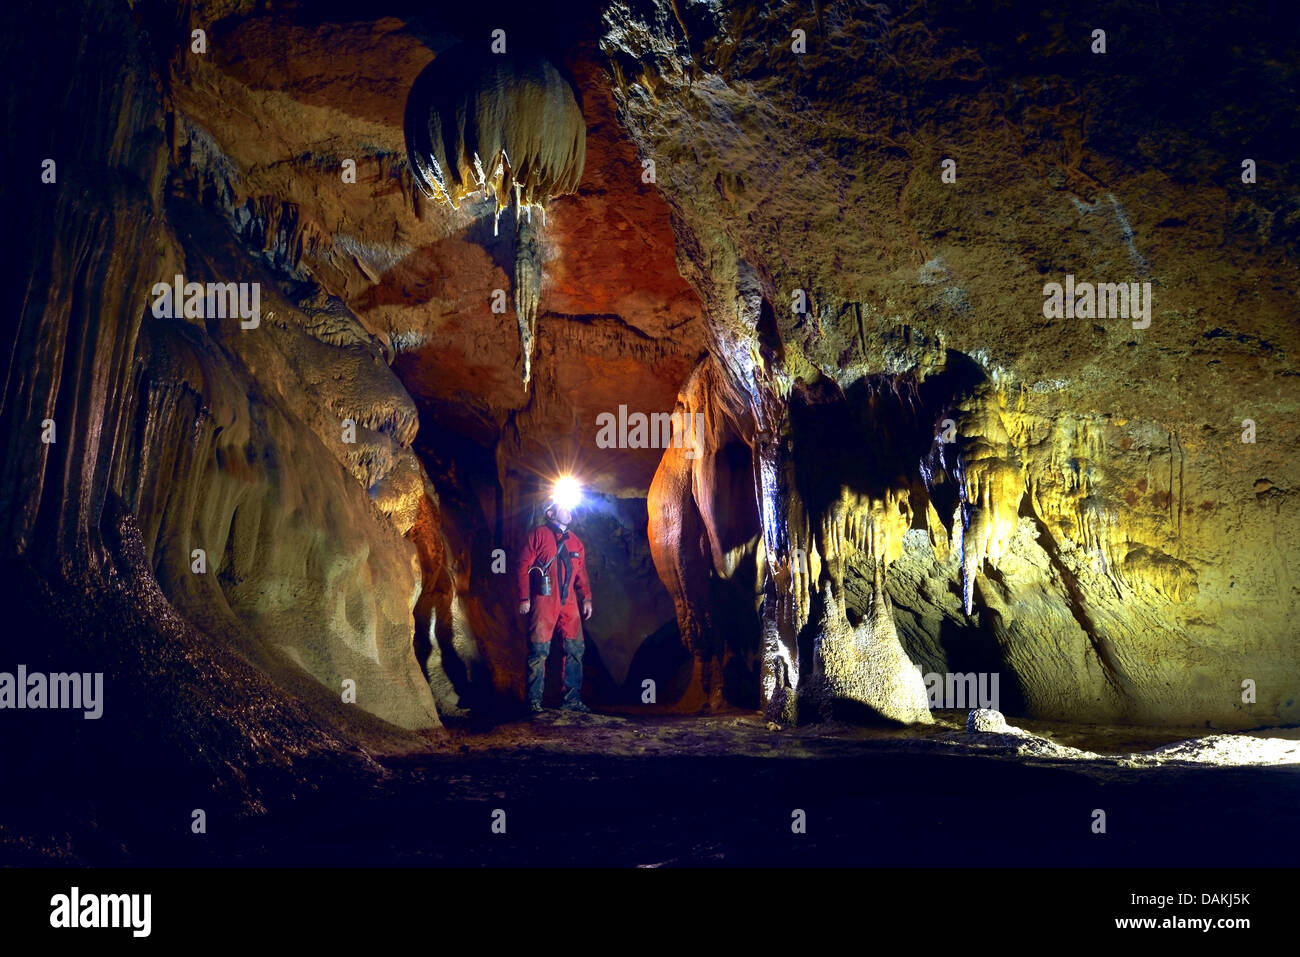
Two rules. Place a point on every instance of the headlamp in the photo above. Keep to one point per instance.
(566, 493)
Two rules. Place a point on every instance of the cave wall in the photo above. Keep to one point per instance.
(213, 436)
(238, 448)
(704, 534)
(325, 555)
(101, 403)
(1093, 526)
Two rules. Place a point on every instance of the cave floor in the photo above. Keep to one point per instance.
(627, 733)
(723, 790)
(718, 790)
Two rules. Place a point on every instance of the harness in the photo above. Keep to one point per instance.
(566, 565)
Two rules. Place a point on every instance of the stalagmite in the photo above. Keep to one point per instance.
(866, 665)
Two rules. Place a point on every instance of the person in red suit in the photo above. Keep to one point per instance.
(553, 592)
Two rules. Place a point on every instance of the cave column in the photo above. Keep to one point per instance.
(781, 566)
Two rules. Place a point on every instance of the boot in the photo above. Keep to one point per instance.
(573, 648)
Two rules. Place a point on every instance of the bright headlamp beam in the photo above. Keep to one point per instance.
(566, 493)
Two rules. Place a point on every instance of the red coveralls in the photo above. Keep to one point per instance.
(559, 611)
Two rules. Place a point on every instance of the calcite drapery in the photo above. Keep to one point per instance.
(991, 482)
(501, 125)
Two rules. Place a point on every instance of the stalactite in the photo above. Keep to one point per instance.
(502, 125)
(872, 526)
(507, 127)
(990, 479)
(528, 288)
(805, 564)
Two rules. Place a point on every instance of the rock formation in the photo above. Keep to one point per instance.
(834, 254)
(505, 126)
(872, 205)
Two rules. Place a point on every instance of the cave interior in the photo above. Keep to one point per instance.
(477, 252)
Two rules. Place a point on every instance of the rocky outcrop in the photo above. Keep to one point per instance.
(873, 208)
(264, 457)
(703, 538)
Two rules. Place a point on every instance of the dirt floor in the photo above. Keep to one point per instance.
(724, 790)
(727, 790)
(745, 733)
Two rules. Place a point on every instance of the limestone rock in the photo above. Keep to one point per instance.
(986, 720)
(1119, 547)
(866, 666)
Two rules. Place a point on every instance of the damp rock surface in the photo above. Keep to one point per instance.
(1106, 526)
(985, 720)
